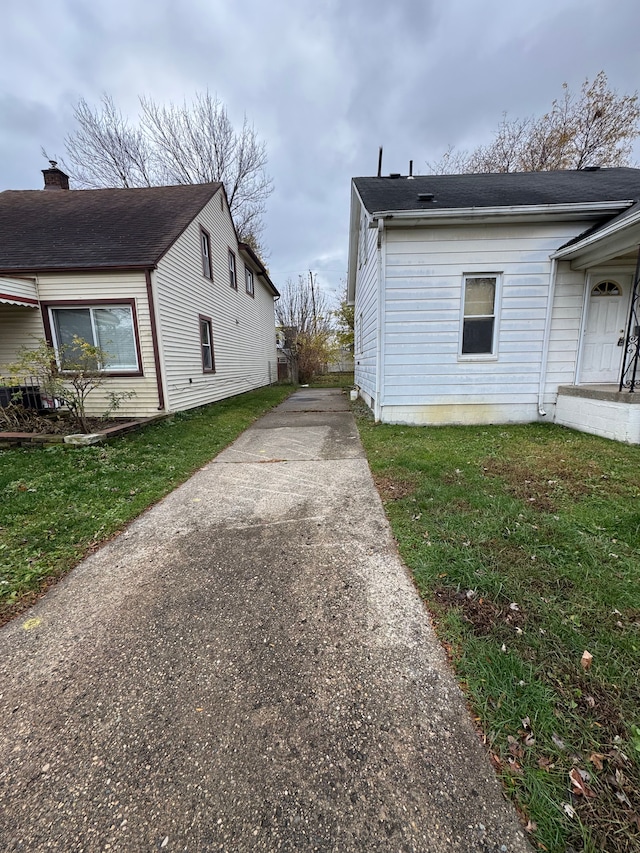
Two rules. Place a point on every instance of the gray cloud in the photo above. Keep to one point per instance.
(324, 82)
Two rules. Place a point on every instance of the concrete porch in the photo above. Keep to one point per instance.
(600, 410)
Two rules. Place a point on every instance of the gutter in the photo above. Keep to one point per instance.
(155, 339)
(547, 336)
(590, 207)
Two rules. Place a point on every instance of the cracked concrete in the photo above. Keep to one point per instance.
(247, 667)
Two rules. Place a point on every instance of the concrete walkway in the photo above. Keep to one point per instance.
(247, 667)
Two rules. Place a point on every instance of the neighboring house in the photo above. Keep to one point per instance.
(155, 276)
(499, 298)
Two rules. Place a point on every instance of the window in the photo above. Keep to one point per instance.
(205, 246)
(109, 327)
(606, 288)
(248, 278)
(206, 345)
(233, 278)
(478, 323)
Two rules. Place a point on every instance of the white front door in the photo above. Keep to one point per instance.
(605, 329)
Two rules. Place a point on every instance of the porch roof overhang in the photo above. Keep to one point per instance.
(619, 240)
(22, 292)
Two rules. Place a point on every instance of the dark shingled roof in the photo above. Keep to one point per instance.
(499, 190)
(95, 229)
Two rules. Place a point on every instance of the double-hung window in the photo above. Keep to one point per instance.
(233, 278)
(206, 345)
(248, 279)
(110, 328)
(479, 315)
(205, 248)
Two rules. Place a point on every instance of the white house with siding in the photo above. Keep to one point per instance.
(156, 277)
(499, 298)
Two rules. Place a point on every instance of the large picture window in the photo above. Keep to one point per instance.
(479, 315)
(108, 327)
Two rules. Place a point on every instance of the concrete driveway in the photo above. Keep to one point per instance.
(247, 667)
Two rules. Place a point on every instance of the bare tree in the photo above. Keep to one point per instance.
(304, 316)
(188, 143)
(597, 127)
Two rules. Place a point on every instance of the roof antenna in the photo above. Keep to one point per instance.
(380, 162)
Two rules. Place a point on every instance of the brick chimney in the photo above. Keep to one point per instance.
(54, 178)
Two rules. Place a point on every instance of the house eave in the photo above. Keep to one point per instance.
(518, 213)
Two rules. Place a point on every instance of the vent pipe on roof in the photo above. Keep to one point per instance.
(380, 162)
(411, 169)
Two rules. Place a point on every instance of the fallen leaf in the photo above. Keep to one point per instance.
(514, 767)
(558, 741)
(545, 763)
(526, 723)
(579, 785)
(495, 760)
(531, 826)
(586, 659)
(591, 702)
(596, 759)
(529, 740)
(569, 809)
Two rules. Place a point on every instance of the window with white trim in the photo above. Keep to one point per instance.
(248, 280)
(108, 327)
(479, 315)
(206, 345)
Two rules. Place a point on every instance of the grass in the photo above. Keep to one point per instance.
(524, 542)
(59, 503)
(332, 380)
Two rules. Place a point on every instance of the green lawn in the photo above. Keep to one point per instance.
(332, 380)
(525, 543)
(58, 503)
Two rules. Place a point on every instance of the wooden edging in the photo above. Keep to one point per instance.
(30, 439)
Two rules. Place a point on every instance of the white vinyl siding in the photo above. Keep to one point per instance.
(243, 328)
(90, 288)
(425, 270)
(365, 314)
(564, 339)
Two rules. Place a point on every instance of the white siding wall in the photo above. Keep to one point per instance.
(564, 340)
(366, 318)
(19, 327)
(425, 380)
(243, 328)
(113, 285)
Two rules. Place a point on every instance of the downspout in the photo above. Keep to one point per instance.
(377, 406)
(547, 336)
(154, 337)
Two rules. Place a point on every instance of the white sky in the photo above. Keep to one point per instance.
(325, 83)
